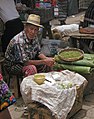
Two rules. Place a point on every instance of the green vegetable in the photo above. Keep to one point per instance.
(65, 86)
(84, 66)
(70, 54)
(88, 60)
(79, 69)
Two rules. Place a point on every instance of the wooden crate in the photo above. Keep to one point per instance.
(39, 111)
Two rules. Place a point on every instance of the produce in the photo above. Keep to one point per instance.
(70, 54)
(75, 68)
(65, 85)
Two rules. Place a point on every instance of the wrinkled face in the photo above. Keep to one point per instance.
(31, 31)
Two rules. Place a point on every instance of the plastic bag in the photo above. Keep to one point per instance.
(50, 47)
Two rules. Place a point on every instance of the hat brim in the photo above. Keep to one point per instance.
(34, 24)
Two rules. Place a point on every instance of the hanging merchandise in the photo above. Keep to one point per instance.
(37, 4)
(56, 11)
(44, 9)
(47, 3)
(53, 2)
(43, 4)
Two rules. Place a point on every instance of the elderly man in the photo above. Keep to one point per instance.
(23, 54)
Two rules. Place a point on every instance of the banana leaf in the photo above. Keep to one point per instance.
(89, 56)
(78, 69)
(88, 60)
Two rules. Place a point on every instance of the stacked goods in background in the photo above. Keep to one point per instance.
(83, 4)
(46, 14)
(63, 8)
(44, 9)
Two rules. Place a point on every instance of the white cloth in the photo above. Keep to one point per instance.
(8, 10)
(59, 101)
(68, 28)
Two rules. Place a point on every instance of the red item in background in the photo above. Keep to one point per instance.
(1, 78)
(37, 5)
(53, 2)
(46, 0)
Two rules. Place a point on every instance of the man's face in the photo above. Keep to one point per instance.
(31, 31)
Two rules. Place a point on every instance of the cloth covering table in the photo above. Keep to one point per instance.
(58, 100)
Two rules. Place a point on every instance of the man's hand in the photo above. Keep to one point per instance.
(49, 61)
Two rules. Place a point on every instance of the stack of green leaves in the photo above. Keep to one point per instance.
(84, 66)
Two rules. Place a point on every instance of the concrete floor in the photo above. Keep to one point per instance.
(17, 110)
(87, 111)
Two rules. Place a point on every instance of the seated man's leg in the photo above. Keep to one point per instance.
(29, 70)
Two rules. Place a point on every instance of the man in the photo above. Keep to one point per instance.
(12, 21)
(23, 54)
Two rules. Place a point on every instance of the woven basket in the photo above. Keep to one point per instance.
(72, 54)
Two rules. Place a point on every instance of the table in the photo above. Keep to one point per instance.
(82, 41)
(62, 103)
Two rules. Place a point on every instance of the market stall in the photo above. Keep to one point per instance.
(85, 67)
(83, 40)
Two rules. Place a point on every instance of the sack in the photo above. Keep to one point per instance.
(50, 47)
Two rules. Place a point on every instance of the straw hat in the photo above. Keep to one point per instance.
(34, 19)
